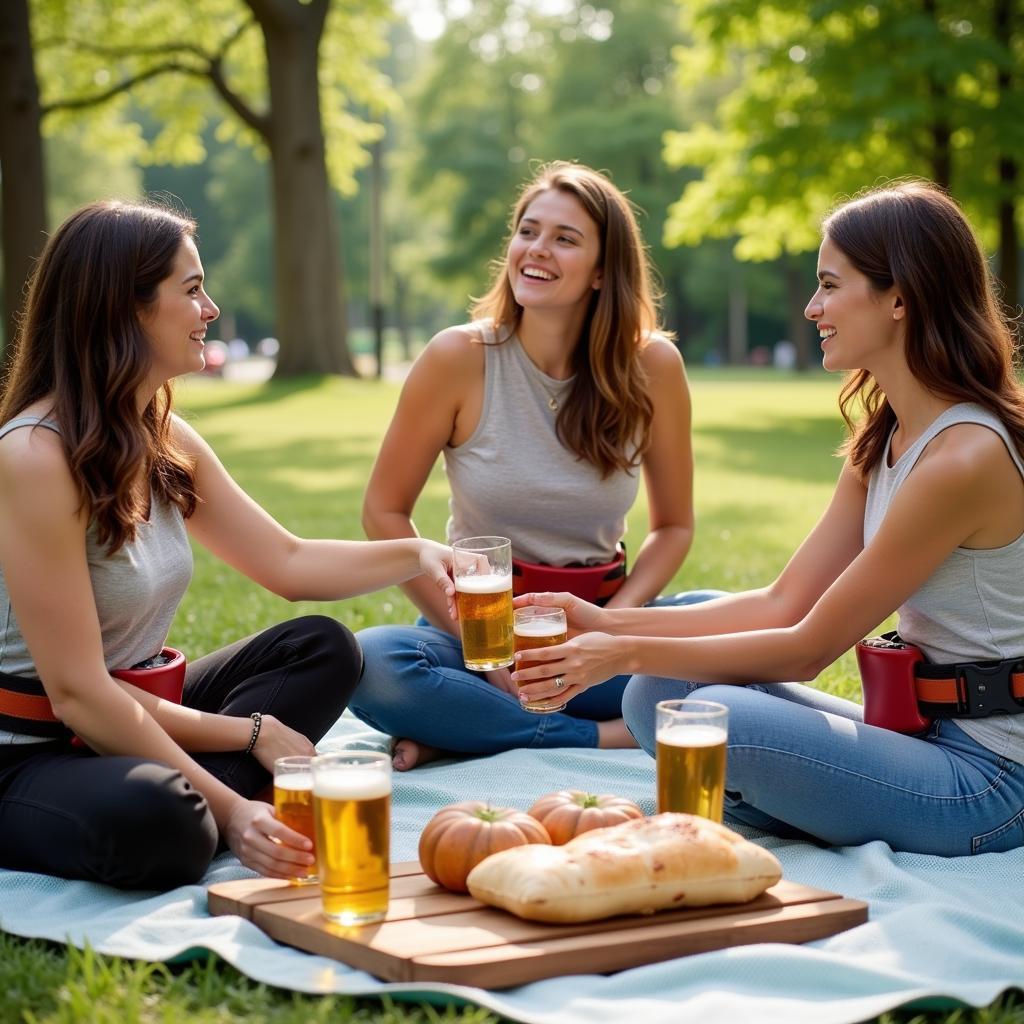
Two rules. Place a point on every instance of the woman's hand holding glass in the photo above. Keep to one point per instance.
(580, 616)
(584, 661)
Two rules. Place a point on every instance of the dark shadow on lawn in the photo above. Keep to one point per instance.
(264, 394)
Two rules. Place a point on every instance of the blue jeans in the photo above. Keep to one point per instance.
(416, 686)
(802, 764)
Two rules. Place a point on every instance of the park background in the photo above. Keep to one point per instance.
(351, 165)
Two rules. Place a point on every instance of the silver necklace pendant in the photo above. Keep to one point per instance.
(552, 403)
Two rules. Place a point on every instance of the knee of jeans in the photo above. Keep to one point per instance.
(387, 656)
(154, 832)
(638, 700)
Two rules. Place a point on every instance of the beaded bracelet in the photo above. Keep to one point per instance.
(257, 721)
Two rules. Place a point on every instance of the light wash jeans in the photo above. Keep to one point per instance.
(416, 686)
(802, 763)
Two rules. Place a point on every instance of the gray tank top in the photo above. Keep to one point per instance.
(513, 477)
(137, 590)
(972, 607)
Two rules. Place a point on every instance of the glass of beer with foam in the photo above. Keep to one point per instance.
(352, 811)
(691, 737)
(483, 593)
(293, 804)
(535, 627)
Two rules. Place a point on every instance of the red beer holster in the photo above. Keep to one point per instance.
(903, 691)
(593, 583)
(25, 708)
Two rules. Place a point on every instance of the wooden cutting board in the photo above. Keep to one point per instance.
(431, 934)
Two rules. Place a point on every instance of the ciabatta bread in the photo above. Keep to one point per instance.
(638, 867)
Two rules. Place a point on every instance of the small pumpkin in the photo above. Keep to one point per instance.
(461, 835)
(569, 812)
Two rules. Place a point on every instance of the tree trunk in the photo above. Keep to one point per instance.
(940, 131)
(307, 271)
(737, 317)
(22, 183)
(796, 303)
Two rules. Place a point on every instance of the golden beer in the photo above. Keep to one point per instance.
(485, 618)
(293, 805)
(691, 769)
(353, 839)
(530, 634)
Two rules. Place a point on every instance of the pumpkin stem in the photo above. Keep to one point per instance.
(490, 814)
(589, 800)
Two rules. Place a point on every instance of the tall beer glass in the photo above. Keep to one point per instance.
(691, 737)
(352, 809)
(293, 804)
(483, 593)
(534, 627)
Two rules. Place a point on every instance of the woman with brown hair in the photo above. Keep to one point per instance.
(101, 487)
(927, 520)
(546, 407)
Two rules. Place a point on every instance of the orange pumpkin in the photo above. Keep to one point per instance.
(458, 837)
(569, 812)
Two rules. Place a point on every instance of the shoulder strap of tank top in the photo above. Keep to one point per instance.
(28, 421)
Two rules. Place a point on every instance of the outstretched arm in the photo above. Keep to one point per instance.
(945, 502)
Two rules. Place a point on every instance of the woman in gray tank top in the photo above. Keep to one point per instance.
(927, 520)
(546, 409)
(100, 487)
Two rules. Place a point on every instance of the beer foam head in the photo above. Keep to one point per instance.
(538, 627)
(485, 583)
(294, 780)
(351, 784)
(692, 735)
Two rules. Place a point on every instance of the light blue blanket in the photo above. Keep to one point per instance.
(951, 928)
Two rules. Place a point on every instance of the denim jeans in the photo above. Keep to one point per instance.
(802, 764)
(416, 686)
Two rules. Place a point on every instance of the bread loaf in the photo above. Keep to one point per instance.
(638, 867)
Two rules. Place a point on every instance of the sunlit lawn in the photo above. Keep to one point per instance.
(304, 450)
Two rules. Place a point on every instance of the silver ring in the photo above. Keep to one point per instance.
(559, 682)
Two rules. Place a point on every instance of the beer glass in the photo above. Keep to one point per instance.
(535, 627)
(293, 804)
(352, 810)
(691, 737)
(483, 593)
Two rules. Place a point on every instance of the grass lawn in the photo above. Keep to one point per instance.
(304, 450)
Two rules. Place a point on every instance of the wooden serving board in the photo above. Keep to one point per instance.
(431, 934)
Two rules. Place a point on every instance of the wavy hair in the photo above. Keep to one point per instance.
(80, 343)
(607, 418)
(958, 344)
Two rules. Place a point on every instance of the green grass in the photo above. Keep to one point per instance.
(304, 450)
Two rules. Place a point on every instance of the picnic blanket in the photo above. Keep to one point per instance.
(941, 931)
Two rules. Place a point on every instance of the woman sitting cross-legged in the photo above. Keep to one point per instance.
(927, 519)
(100, 488)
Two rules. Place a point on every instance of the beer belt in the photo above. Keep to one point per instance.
(593, 583)
(25, 707)
(903, 691)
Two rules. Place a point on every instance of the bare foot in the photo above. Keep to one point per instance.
(613, 735)
(406, 754)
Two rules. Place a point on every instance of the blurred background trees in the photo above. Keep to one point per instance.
(732, 124)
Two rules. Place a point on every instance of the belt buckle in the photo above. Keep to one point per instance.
(986, 688)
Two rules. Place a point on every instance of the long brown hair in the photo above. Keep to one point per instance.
(80, 341)
(958, 344)
(607, 418)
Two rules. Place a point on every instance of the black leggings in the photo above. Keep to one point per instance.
(138, 824)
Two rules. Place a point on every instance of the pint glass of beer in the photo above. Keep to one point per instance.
(691, 737)
(352, 810)
(293, 804)
(535, 627)
(483, 593)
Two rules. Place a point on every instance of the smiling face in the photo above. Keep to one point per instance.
(175, 323)
(554, 258)
(857, 324)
